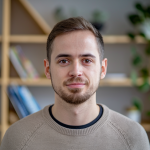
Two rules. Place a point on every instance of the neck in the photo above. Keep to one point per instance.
(75, 115)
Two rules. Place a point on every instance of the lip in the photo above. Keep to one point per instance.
(76, 85)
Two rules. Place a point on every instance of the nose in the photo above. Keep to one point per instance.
(76, 69)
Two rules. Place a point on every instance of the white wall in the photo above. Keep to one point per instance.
(117, 11)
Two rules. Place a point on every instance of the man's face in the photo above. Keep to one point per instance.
(75, 69)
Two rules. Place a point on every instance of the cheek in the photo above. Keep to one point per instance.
(94, 74)
(96, 70)
(58, 74)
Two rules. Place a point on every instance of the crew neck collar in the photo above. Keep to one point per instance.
(75, 132)
(79, 126)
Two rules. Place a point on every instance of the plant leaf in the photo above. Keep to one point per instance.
(148, 113)
(135, 19)
(137, 60)
(133, 51)
(133, 77)
(137, 103)
(147, 50)
(142, 34)
(131, 35)
(145, 86)
(144, 72)
(148, 12)
(149, 98)
(139, 7)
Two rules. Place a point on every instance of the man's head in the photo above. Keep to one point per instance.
(74, 53)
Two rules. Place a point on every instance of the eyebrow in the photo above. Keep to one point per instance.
(81, 55)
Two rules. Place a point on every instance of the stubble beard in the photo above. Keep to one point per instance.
(76, 96)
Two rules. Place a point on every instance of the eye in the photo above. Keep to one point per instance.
(63, 61)
(87, 61)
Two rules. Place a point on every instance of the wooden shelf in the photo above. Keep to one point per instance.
(113, 82)
(146, 126)
(108, 39)
(116, 82)
(121, 39)
(28, 38)
(44, 82)
(30, 82)
(124, 82)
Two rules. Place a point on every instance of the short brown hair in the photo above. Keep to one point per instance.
(73, 24)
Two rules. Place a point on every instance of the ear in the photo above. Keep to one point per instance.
(46, 66)
(103, 68)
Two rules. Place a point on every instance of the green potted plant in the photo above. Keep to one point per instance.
(98, 19)
(59, 14)
(141, 65)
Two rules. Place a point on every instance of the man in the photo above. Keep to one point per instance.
(75, 65)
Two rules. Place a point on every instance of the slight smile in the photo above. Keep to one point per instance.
(76, 85)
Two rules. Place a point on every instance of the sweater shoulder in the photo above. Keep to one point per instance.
(130, 131)
(21, 131)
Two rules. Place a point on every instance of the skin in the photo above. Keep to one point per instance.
(75, 71)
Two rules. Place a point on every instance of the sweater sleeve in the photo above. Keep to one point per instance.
(141, 141)
(7, 142)
(133, 133)
(19, 133)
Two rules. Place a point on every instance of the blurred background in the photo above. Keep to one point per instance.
(125, 26)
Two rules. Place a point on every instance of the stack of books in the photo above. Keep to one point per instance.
(22, 64)
(22, 100)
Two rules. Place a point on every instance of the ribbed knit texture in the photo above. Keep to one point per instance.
(39, 131)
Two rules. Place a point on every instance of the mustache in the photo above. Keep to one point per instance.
(75, 80)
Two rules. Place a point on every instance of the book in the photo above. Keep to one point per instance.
(116, 75)
(22, 64)
(17, 102)
(28, 100)
(27, 64)
(17, 64)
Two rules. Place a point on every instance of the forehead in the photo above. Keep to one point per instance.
(75, 43)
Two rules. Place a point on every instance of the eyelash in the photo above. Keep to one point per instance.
(62, 60)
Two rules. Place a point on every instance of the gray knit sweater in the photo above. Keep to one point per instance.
(39, 131)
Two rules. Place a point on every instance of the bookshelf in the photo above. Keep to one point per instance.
(6, 39)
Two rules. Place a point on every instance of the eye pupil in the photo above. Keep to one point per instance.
(63, 61)
(87, 60)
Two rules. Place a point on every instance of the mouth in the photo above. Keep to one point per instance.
(76, 85)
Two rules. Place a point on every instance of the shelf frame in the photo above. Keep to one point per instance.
(5, 69)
